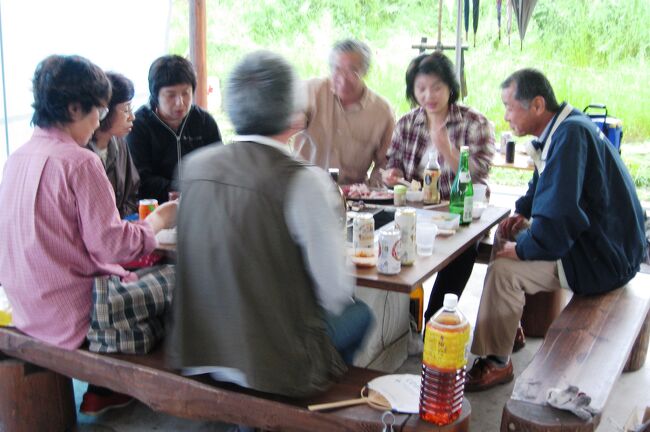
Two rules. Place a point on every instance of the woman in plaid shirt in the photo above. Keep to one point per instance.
(440, 125)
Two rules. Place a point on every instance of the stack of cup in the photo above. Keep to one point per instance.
(425, 236)
(480, 200)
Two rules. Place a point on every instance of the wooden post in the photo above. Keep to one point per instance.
(540, 310)
(198, 56)
(34, 399)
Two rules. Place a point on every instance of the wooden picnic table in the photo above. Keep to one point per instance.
(445, 250)
(522, 161)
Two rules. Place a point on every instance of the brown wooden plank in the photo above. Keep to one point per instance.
(198, 50)
(414, 424)
(587, 345)
(640, 350)
(29, 401)
(526, 417)
(148, 379)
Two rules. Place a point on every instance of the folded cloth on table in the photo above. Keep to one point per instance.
(571, 399)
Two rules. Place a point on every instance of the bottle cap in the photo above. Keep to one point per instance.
(399, 189)
(450, 302)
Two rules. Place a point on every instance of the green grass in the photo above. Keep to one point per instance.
(592, 52)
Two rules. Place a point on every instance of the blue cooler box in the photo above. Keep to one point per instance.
(612, 127)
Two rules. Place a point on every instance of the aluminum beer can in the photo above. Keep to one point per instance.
(146, 206)
(388, 261)
(363, 235)
(405, 222)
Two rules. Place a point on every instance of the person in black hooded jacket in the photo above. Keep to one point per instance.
(168, 127)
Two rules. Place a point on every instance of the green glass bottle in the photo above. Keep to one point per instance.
(461, 198)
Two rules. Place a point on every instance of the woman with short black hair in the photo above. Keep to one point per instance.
(169, 127)
(439, 125)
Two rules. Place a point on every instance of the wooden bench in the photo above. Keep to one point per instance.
(588, 345)
(42, 399)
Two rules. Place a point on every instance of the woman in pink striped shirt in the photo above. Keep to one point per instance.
(59, 224)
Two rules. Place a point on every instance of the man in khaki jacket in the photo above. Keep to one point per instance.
(349, 125)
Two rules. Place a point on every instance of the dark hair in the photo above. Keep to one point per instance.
(63, 80)
(167, 71)
(260, 94)
(531, 83)
(123, 91)
(432, 64)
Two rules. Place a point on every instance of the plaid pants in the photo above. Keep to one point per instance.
(128, 317)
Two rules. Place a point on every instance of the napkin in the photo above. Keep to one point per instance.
(402, 391)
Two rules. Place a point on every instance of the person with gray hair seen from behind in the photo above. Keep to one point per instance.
(349, 124)
(579, 226)
(263, 297)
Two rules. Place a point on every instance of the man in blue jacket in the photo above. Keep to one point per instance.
(579, 226)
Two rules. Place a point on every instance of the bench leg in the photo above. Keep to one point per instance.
(540, 310)
(640, 349)
(34, 399)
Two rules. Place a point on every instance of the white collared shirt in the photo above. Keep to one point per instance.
(314, 227)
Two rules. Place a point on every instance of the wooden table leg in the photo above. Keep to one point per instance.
(34, 399)
(540, 310)
(640, 349)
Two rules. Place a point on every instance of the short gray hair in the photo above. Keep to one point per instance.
(351, 46)
(260, 94)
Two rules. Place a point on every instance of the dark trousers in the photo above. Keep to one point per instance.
(451, 279)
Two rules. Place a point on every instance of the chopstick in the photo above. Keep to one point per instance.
(339, 404)
(434, 206)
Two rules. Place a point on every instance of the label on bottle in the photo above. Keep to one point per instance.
(464, 177)
(445, 349)
(467, 208)
(430, 193)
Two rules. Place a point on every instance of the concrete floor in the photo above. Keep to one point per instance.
(631, 392)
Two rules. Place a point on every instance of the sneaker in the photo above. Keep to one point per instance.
(94, 404)
(520, 340)
(485, 374)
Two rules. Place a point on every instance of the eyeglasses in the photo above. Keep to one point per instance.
(103, 112)
(349, 74)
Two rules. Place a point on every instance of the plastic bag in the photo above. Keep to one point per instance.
(5, 309)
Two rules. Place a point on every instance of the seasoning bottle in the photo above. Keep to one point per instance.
(431, 174)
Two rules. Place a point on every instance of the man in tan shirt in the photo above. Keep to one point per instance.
(350, 126)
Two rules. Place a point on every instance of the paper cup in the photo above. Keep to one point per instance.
(425, 236)
(479, 192)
